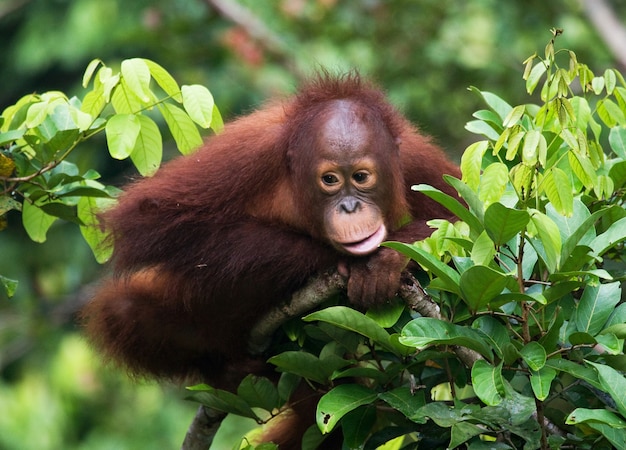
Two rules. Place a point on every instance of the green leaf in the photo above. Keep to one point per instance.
(182, 128)
(582, 415)
(481, 284)
(610, 81)
(352, 320)
(558, 188)
(535, 76)
(452, 204)
(596, 305)
(576, 370)
(582, 168)
(541, 380)
(577, 229)
(259, 392)
(386, 315)
(198, 103)
(502, 223)
(121, 132)
(403, 400)
(164, 80)
(148, 150)
(89, 71)
(340, 401)
(303, 364)
(488, 383)
(617, 141)
(471, 163)
(357, 425)
(425, 331)
(137, 77)
(514, 116)
(221, 401)
(534, 355)
(217, 123)
(9, 285)
(493, 331)
(36, 222)
(493, 182)
(483, 250)
(94, 102)
(530, 149)
(615, 234)
(499, 106)
(616, 437)
(447, 274)
(549, 237)
(91, 230)
(124, 100)
(610, 113)
(613, 383)
(482, 128)
(462, 432)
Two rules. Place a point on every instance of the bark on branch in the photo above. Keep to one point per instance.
(317, 291)
(608, 26)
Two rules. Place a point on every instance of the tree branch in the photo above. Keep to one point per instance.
(319, 289)
(608, 26)
(255, 28)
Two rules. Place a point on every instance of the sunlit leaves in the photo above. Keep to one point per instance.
(121, 132)
(183, 129)
(198, 103)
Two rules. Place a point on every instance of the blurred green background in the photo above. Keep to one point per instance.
(54, 392)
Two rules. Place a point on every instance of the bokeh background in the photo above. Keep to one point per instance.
(55, 393)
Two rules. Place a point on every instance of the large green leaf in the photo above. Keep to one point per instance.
(425, 331)
(541, 380)
(339, 402)
(471, 163)
(497, 104)
(306, 365)
(558, 188)
(221, 400)
(164, 80)
(404, 400)
(576, 370)
(614, 235)
(596, 305)
(453, 205)
(121, 132)
(357, 425)
(493, 182)
(352, 320)
(582, 415)
(36, 222)
(534, 355)
(502, 223)
(259, 392)
(183, 129)
(613, 383)
(446, 274)
(494, 332)
(148, 150)
(91, 230)
(488, 383)
(481, 284)
(137, 77)
(549, 240)
(198, 103)
(617, 141)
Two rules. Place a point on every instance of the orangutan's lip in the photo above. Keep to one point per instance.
(369, 244)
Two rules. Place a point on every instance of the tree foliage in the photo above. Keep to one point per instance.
(529, 280)
(40, 131)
